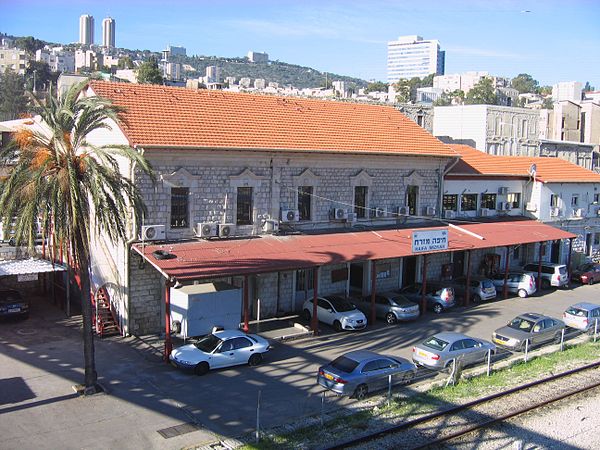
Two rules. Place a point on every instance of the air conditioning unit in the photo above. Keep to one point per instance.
(271, 226)
(379, 212)
(578, 212)
(153, 232)
(507, 206)
(485, 212)
(290, 215)
(502, 190)
(206, 229)
(530, 206)
(554, 212)
(449, 214)
(226, 230)
(403, 210)
(340, 214)
(351, 217)
(430, 211)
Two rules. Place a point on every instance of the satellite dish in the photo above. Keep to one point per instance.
(533, 170)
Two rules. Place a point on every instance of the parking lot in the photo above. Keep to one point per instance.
(40, 359)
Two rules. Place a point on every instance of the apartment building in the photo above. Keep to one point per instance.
(412, 56)
(57, 59)
(108, 32)
(13, 59)
(86, 29)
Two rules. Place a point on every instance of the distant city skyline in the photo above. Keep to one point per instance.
(550, 40)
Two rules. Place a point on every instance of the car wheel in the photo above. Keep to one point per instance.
(408, 377)
(361, 392)
(437, 308)
(545, 284)
(337, 326)
(306, 314)
(201, 368)
(557, 338)
(255, 360)
(390, 318)
(521, 347)
(522, 293)
(591, 281)
(476, 298)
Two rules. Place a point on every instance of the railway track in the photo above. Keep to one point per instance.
(433, 430)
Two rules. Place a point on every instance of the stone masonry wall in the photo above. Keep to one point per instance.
(145, 296)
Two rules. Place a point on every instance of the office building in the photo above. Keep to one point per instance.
(412, 56)
(108, 32)
(86, 29)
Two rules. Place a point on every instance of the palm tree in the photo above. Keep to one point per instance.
(61, 183)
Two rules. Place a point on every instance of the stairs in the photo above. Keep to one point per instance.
(104, 320)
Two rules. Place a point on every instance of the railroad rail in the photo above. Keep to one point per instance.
(447, 416)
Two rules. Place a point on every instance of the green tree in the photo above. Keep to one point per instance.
(524, 83)
(545, 90)
(449, 98)
(71, 186)
(125, 62)
(149, 73)
(29, 44)
(483, 93)
(402, 89)
(13, 100)
(42, 73)
(588, 87)
(377, 86)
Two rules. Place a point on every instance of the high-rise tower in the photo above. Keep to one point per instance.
(86, 29)
(108, 32)
(411, 56)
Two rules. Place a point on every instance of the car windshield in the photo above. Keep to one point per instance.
(521, 324)
(486, 284)
(208, 343)
(10, 297)
(401, 300)
(341, 304)
(344, 364)
(562, 270)
(577, 312)
(435, 343)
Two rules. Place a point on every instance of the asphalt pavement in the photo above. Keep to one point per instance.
(149, 404)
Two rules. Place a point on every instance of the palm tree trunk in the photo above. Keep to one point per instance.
(91, 377)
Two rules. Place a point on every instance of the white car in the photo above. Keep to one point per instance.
(336, 311)
(220, 349)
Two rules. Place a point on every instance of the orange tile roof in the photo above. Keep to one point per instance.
(549, 169)
(178, 117)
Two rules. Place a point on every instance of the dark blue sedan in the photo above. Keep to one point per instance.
(359, 372)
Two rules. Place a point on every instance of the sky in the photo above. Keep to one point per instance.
(551, 40)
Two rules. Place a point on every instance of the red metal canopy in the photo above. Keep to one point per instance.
(262, 254)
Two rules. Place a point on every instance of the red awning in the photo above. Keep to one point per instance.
(262, 254)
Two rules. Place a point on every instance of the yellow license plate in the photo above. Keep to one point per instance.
(497, 341)
(423, 354)
(328, 376)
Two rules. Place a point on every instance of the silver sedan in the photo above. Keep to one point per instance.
(438, 351)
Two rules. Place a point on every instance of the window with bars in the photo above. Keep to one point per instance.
(360, 201)
(244, 206)
(412, 198)
(180, 207)
(450, 202)
(305, 194)
(488, 201)
(468, 202)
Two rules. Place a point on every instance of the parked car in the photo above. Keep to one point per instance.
(220, 349)
(583, 316)
(481, 288)
(522, 284)
(336, 311)
(587, 273)
(12, 304)
(360, 372)
(552, 274)
(390, 306)
(439, 299)
(536, 328)
(438, 351)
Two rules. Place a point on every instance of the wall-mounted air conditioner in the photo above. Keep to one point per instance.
(507, 206)
(153, 233)
(578, 212)
(379, 212)
(449, 214)
(403, 210)
(226, 230)
(271, 226)
(430, 211)
(340, 214)
(351, 217)
(485, 212)
(290, 215)
(554, 212)
(502, 190)
(206, 229)
(530, 206)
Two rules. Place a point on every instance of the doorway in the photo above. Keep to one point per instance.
(409, 270)
(555, 250)
(458, 266)
(357, 277)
